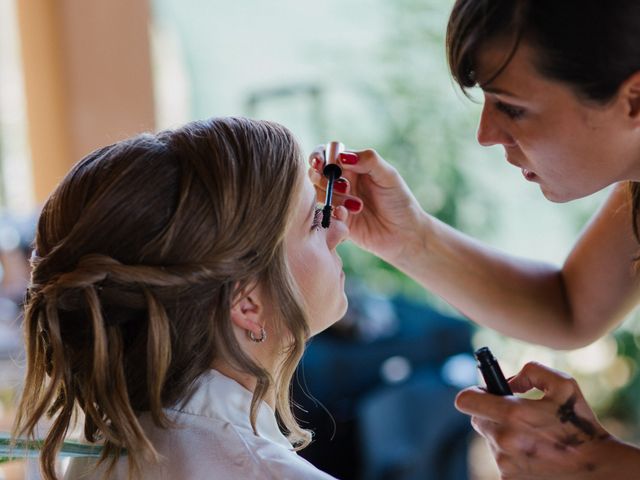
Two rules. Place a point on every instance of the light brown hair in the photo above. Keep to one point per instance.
(138, 254)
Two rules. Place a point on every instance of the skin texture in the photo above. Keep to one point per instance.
(571, 148)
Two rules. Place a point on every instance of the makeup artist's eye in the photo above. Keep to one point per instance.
(514, 113)
(317, 219)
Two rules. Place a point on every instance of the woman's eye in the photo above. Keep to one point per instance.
(514, 113)
(317, 219)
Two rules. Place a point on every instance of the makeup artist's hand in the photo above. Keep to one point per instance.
(557, 437)
(384, 212)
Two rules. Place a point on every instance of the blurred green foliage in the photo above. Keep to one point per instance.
(420, 132)
(625, 401)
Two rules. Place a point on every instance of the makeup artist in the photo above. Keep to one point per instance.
(561, 86)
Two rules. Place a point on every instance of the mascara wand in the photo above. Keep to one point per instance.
(332, 172)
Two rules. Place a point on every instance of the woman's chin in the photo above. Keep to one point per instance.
(345, 306)
(335, 318)
(567, 195)
(556, 197)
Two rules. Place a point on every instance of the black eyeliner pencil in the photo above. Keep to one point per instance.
(492, 373)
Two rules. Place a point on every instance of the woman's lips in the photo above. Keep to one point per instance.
(528, 174)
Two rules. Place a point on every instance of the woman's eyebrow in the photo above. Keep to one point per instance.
(499, 91)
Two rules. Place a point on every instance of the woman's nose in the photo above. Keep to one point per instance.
(490, 132)
(338, 230)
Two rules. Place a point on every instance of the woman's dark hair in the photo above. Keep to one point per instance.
(592, 46)
(139, 253)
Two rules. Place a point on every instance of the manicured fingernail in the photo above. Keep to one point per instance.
(341, 186)
(315, 163)
(352, 205)
(349, 158)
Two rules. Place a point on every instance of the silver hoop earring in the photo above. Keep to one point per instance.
(262, 338)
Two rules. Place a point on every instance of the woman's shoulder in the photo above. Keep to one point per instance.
(211, 432)
(195, 451)
(227, 447)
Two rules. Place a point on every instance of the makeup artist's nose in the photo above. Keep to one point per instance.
(490, 130)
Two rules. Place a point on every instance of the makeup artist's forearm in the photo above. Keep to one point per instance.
(517, 297)
(561, 307)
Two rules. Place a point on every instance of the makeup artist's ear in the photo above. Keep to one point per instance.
(630, 91)
(247, 311)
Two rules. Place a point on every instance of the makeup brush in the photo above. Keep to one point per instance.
(332, 172)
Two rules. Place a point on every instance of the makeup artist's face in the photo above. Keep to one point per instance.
(314, 262)
(570, 148)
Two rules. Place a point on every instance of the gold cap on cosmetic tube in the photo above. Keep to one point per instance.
(332, 153)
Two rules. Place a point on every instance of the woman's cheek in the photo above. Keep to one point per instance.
(304, 266)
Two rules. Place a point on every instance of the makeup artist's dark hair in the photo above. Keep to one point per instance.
(138, 254)
(592, 46)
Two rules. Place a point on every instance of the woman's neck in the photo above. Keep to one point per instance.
(247, 380)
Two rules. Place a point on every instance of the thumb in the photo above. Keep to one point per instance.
(368, 162)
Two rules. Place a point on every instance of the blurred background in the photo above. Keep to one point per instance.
(75, 75)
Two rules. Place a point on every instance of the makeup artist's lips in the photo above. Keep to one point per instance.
(528, 174)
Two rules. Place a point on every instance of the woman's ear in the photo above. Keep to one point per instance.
(631, 95)
(247, 311)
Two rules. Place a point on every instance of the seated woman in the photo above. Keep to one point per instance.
(176, 278)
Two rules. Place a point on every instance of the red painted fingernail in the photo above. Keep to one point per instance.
(341, 186)
(349, 158)
(315, 163)
(352, 205)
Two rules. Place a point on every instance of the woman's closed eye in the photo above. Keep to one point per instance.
(514, 113)
(317, 219)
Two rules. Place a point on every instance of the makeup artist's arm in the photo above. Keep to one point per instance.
(555, 437)
(563, 307)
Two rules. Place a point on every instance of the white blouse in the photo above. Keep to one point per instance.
(213, 439)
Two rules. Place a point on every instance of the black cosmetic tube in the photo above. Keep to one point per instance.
(492, 373)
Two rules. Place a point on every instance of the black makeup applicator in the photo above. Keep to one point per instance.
(492, 373)
(332, 172)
